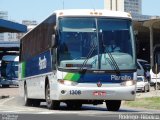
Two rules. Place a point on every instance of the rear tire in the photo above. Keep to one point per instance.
(113, 105)
(51, 104)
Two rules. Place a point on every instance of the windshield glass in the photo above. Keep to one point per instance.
(87, 41)
(139, 79)
(9, 69)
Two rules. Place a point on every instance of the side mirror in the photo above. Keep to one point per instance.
(53, 41)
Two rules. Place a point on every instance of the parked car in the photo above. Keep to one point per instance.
(142, 84)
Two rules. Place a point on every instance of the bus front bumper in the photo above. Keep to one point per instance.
(95, 93)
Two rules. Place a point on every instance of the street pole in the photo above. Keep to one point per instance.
(156, 76)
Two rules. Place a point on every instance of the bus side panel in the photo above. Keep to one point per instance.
(21, 87)
(34, 71)
(39, 65)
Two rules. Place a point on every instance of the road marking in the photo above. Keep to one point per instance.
(4, 101)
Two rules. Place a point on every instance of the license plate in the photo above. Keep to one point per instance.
(99, 93)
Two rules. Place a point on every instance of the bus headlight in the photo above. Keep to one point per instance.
(128, 83)
(67, 82)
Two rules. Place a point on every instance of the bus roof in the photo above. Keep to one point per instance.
(87, 13)
(10, 58)
(92, 12)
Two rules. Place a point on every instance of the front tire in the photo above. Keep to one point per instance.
(158, 86)
(113, 105)
(51, 104)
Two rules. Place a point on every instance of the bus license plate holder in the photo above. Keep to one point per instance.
(99, 93)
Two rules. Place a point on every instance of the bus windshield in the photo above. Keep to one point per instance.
(9, 69)
(96, 43)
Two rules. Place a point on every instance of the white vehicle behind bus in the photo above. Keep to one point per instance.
(9, 70)
(64, 59)
(155, 78)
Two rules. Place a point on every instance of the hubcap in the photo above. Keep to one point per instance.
(48, 96)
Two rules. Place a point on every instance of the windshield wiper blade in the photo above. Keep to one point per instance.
(88, 56)
(113, 62)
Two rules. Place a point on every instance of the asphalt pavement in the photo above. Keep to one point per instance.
(12, 108)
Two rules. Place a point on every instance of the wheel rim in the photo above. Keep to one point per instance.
(48, 100)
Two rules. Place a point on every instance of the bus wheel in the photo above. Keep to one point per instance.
(28, 102)
(158, 86)
(51, 104)
(113, 105)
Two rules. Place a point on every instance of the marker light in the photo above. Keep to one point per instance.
(96, 13)
(91, 13)
(100, 13)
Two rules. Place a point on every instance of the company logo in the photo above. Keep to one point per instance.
(99, 84)
(124, 77)
(42, 63)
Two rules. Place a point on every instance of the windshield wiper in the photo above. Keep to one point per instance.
(88, 56)
(112, 62)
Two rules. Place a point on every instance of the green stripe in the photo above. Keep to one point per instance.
(72, 77)
(23, 69)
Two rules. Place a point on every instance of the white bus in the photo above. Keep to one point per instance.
(9, 70)
(65, 59)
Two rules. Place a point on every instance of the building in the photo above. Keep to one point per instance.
(30, 25)
(132, 6)
(7, 36)
(15, 36)
(3, 15)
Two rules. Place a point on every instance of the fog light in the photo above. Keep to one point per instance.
(132, 92)
(63, 91)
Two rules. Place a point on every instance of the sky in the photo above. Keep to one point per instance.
(38, 10)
